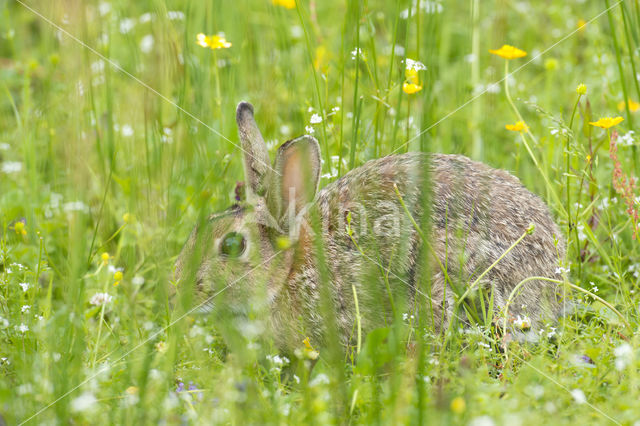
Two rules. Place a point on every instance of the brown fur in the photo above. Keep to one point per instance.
(474, 214)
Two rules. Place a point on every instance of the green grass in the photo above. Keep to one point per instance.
(83, 143)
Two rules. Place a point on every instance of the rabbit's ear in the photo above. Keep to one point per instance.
(298, 167)
(256, 157)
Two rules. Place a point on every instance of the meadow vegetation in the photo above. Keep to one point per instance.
(118, 134)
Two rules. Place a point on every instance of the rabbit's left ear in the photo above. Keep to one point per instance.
(296, 179)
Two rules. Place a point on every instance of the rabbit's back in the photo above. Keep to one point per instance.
(474, 214)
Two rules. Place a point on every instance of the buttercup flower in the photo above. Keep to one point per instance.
(607, 122)
(633, 106)
(458, 405)
(508, 52)
(20, 228)
(411, 88)
(117, 277)
(287, 4)
(520, 126)
(104, 258)
(581, 89)
(212, 42)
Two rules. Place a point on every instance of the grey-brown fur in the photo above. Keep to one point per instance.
(475, 213)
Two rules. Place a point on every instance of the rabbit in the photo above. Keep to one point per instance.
(367, 230)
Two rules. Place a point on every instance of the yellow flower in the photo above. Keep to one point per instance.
(458, 405)
(581, 24)
(508, 52)
(212, 42)
(520, 126)
(132, 390)
(411, 88)
(105, 258)
(288, 4)
(117, 277)
(309, 352)
(161, 347)
(633, 106)
(20, 228)
(581, 89)
(128, 218)
(607, 122)
(321, 58)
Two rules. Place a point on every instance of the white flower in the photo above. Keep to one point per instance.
(560, 270)
(84, 402)
(22, 328)
(146, 44)
(11, 167)
(126, 130)
(624, 356)
(493, 88)
(146, 17)
(356, 52)
(482, 421)
(75, 206)
(315, 119)
(100, 299)
(137, 280)
(426, 6)
(411, 64)
(126, 25)
(309, 130)
(25, 286)
(26, 308)
(578, 396)
(104, 8)
(627, 139)
(523, 323)
(320, 379)
(175, 15)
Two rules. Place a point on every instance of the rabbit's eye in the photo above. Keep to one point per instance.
(233, 244)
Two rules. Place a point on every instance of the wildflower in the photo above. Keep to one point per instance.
(287, 4)
(25, 308)
(84, 402)
(161, 347)
(411, 88)
(414, 65)
(315, 119)
(560, 270)
(607, 122)
(22, 328)
(146, 44)
(458, 405)
(132, 390)
(11, 167)
(128, 218)
(20, 228)
(355, 53)
(212, 42)
(624, 355)
(581, 24)
(633, 106)
(578, 396)
(523, 323)
(104, 258)
(623, 184)
(137, 280)
(321, 57)
(508, 52)
(308, 351)
(520, 126)
(25, 286)
(117, 277)
(581, 89)
(100, 299)
(309, 130)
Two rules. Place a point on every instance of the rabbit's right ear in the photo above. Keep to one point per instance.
(256, 157)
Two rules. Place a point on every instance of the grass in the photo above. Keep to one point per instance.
(97, 160)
